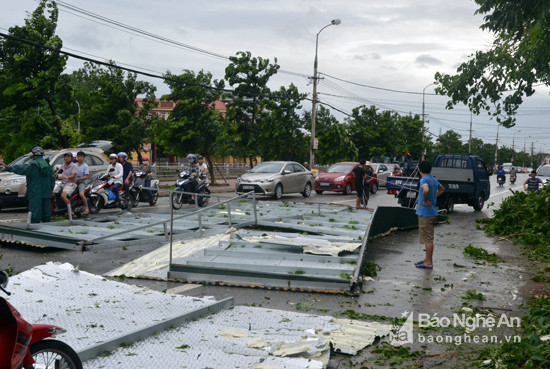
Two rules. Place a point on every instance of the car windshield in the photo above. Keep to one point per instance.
(544, 171)
(340, 168)
(25, 159)
(267, 168)
(391, 167)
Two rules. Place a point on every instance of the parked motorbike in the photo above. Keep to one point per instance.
(501, 180)
(138, 194)
(512, 178)
(103, 197)
(24, 345)
(183, 185)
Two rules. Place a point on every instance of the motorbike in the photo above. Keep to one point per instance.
(501, 180)
(77, 206)
(103, 197)
(138, 194)
(25, 345)
(183, 185)
(512, 178)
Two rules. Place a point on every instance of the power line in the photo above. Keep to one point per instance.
(97, 18)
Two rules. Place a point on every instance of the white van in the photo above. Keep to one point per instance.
(507, 167)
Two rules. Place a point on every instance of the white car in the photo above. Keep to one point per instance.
(382, 171)
(13, 187)
(544, 174)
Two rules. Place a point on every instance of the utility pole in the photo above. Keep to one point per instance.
(496, 149)
(470, 139)
(424, 122)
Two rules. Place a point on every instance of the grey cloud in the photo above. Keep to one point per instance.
(427, 60)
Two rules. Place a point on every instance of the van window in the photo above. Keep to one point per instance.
(454, 163)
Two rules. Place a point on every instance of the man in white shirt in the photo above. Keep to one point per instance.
(116, 174)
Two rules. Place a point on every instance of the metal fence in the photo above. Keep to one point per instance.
(167, 171)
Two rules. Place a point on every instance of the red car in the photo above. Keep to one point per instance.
(339, 178)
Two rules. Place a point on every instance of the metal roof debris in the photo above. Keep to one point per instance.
(95, 310)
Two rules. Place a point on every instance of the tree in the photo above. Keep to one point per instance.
(108, 108)
(450, 143)
(29, 73)
(335, 139)
(250, 75)
(497, 80)
(281, 137)
(194, 124)
(384, 133)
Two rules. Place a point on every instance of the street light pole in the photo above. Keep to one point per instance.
(424, 121)
(334, 22)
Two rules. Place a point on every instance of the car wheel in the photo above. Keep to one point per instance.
(479, 203)
(307, 190)
(278, 192)
(318, 192)
(374, 188)
(347, 190)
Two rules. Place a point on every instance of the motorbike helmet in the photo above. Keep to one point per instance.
(500, 167)
(144, 158)
(113, 156)
(37, 151)
(200, 157)
(191, 157)
(122, 154)
(513, 167)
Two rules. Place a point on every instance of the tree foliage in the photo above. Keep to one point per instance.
(280, 130)
(194, 124)
(335, 138)
(497, 80)
(108, 106)
(29, 75)
(249, 76)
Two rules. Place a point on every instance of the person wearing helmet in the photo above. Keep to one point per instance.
(501, 173)
(128, 170)
(145, 167)
(193, 173)
(115, 174)
(513, 171)
(40, 183)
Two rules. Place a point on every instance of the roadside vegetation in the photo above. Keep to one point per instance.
(524, 219)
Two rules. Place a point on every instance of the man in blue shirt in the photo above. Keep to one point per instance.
(501, 173)
(430, 189)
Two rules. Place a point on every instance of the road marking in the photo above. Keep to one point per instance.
(505, 192)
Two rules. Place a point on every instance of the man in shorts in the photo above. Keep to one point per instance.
(430, 189)
(81, 179)
(66, 174)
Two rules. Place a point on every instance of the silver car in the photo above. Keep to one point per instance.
(273, 178)
(13, 187)
(382, 171)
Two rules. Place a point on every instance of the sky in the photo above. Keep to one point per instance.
(395, 45)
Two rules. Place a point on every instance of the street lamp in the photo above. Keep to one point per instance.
(424, 121)
(312, 147)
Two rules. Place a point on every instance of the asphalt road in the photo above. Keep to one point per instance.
(398, 287)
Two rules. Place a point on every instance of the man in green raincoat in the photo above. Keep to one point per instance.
(40, 184)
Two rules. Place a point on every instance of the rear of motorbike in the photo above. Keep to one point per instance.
(25, 345)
